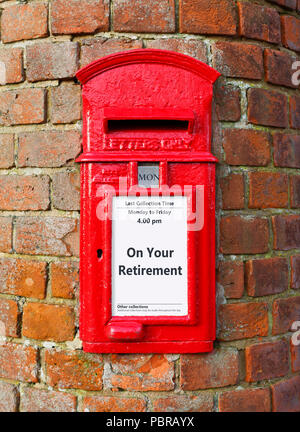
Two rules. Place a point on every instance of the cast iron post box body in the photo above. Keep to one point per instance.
(147, 107)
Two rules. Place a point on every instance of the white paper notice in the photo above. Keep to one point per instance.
(149, 256)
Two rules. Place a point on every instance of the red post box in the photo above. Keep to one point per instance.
(147, 260)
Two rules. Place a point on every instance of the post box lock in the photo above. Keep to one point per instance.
(147, 258)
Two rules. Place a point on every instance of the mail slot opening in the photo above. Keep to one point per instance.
(146, 125)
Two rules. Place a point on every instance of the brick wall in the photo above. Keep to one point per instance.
(256, 121)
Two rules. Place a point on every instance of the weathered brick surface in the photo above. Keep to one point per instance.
(246, 147)
(8, 397)
(285, 312)
(259, 22)
(9, 313)
(64, 279)
(246, 400)
(286, 150)
(217, 369)
(295, 271)
(5, 234)
(113, 404)
(231, 276)
(214, 17)
(295, 355)
(289, 4)
(267, 276)
(295, 191)
(240, 235)
(267, 360)
(22, 106)
(144, 17)
(11, 66)
(77, 16)
(46, 236)
(227, 99)
(23, 277)
(47, 61)
(6, 150)
(201, 403)
(286, 395)
(295, 112)
(142, 372)
(242, 320)
(267, 107)
(24, 192)
(286, 232)
(290, 32)
(192, 47)
(66, 190)
(48, 322)
(268, 190)
(48, 149)
(37, 400)
(278, 67)
(24, 21)
(65, 104)
(65, 369)
(234, 59)
(92, 49)
(18, 362)
(233, 192)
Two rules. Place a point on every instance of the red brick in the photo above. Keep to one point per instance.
(24, 192)
(144, 17)
(286, 150)
(73, 370)
(245, 400)
(233, 192)
(11, 65)
(66, 190)
(267, 360)
(266, 107)
(48, 322)
(48, 149)
(184, 403)
(22, 106)
(268, 190)
(92, 49)
(246, 147)
(242, 320)
(23, 277)
(213, 17)
(113, 404)
(65, 104)
(286, 395)
(233, 59)
(191, 47)
(289, 4)
(219, 368)
(142, 372)
(278, 66)
(286, 232)
(7, 150)
(24, 21)
(45, 236)
(5, 234)
(9, 314)
(290, 32)
(227, 100)
(259, 22)
(8, 397)
(64, 279)
(295, 191)
(295, 272)
(295, 356)
(295, 112)
(285, 312)
(240, 235)
(46, 61)
(18, 362)
(37, 400)
(267, 276)
(231, 277)
(79, 16)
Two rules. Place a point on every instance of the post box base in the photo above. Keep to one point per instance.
(174, 347)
